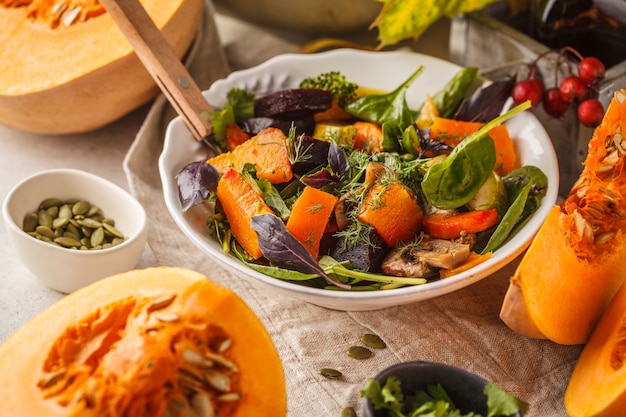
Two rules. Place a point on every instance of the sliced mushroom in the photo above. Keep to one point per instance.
(441, 253)
(402, 264)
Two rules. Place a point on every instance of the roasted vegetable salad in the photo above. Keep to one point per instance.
(338, 186)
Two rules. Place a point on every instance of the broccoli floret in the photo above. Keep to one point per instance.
(341, 89)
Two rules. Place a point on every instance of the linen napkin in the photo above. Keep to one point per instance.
(461, 329)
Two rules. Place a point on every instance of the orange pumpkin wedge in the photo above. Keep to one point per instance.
(132, 345)
(597, 387)
(392, 210)
(240, 203)
(268, 151)
(577, 261)
(62, 72)
(309, 217)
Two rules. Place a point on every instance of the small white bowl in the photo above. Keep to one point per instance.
(67, 270)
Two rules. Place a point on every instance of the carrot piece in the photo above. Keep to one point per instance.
(453, 131)
(309, 217)
(240, 203)
(369, 137)
(235, 136)
(453, 225)
(473, 260)
(268, 151)
(392, 211)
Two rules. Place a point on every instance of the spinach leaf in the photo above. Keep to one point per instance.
(453, 182)
(388, 107)
(449, 98)
(526, 186)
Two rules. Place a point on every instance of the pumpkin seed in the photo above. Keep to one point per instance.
(71, 15)
(330, 373)
(49, 202)
(67, 242)
(201, 404)
(373, 341)
(80, 207)
(348, 412)
(45, 231)
(74, 221)
(97, 237)
(359, 352)
(44, 218)
(111, 229)
(30, 222)
(231, 396)
(90, 223)
(161, 302)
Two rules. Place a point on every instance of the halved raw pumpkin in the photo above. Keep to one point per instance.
(597, 387)
(151, 342)
(66, 68)
(577, 261)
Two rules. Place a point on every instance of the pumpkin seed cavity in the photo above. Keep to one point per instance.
(201, 382)
(72, 224)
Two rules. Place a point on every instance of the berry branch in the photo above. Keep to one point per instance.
(578, 89)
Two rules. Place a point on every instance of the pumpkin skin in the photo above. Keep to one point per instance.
(98, 324)
(577, 261)
(597, 387)
(77, 78)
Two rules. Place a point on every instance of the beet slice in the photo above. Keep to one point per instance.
(252, 126)
(293, 104)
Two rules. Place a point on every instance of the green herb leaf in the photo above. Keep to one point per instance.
(500, 403)
(385, 108)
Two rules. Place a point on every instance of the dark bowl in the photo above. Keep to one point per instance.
(464, 388)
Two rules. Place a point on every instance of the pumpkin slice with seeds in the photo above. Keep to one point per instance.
(153, 342)
(577, 261)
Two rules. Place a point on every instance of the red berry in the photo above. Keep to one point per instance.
(553, 104)
(572, 88)
(591, 69)
(531, 89)
(590, 112)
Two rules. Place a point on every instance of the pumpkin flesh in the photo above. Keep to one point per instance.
(597, 387)
(68, 79)
(120, 348)
(577, 261)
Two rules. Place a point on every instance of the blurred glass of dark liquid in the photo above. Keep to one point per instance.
(594, 28)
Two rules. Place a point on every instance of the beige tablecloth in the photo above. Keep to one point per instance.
(461, 329)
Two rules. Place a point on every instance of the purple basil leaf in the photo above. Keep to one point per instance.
(195, 182)
(283, 250)
(486, 103)
(320, 178)
(337, 159)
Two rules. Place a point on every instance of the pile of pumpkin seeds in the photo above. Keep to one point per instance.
(72, 224)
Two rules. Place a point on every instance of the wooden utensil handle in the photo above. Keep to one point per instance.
(160, 60)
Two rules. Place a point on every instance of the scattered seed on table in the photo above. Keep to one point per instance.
(330, 373)
(348, 412)
(359, 352)
(373, 341)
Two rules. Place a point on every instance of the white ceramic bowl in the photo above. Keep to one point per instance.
(67, 270)
(385, 71)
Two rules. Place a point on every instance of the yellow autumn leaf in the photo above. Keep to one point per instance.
(403, 19)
